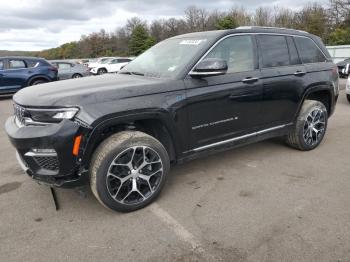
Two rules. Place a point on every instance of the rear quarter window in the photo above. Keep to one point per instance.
(274, 51)
(32, 63)
(308, 50)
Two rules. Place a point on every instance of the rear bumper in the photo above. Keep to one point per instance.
(45, 153)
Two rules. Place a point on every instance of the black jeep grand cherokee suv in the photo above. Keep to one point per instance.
(187, 96)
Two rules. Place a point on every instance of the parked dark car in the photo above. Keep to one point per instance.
(68, 70)
(344, 68)
(19, 72)
(188, 96)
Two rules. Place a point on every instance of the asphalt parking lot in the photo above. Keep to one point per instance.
(263, 202)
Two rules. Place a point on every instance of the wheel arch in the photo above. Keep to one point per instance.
(320, 93)
(37, 77)
(151, 124)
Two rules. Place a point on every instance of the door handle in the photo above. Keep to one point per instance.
(250, 80)
(299, 73)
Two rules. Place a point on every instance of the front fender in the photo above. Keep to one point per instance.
(127, 118)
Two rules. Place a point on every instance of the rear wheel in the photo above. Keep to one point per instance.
(38, 82)
(310, 126)
(128, 171)
(348, 97)
(77, 76)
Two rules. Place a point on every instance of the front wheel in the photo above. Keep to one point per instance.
(101, 71)
(348, 97)
(310, 126)
(128, 171)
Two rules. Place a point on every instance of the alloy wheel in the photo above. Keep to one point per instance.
(134, 175)
(314, 127)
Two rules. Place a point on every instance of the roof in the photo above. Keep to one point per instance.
(243, 29)
(21, 57)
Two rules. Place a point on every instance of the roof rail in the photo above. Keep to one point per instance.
(269, 27)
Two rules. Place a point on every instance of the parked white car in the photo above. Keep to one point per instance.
(347, 90)
(93, 63)
(110, 66)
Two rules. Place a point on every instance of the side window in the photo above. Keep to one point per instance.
(293, 53)
(124, 60)
(308, 50)
(32, 63)
(238, 51)
(274, 50)
(1, 65)
(17, 64)
(64, 66)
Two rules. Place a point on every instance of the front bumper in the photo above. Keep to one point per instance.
(58, 167)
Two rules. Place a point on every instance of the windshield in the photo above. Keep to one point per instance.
(166, 59)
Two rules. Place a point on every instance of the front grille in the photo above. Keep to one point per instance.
(47, 162)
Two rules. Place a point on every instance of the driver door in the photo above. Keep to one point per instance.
(226, 106)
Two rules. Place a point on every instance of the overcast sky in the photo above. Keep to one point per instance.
(41, 24)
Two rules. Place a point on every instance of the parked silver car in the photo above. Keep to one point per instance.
(67, 70)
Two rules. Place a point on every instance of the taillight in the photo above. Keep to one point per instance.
(54, 69)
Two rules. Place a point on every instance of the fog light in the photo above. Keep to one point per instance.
(43, 151)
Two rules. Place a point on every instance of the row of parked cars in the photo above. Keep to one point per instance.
(18, 72)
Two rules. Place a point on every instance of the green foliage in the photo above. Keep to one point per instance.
(140, 40)
(226, 22)
(340, 36)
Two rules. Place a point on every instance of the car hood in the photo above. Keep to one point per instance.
(89, 90)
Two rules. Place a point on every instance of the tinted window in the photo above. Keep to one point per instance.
(114, 61)
(17, 64)
(274, 50)
(64, 66)
(293, 53)
(32, 63)
(1, 65)
(124, 60)
(308, 50)
(237, 51)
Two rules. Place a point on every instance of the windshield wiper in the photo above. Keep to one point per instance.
(132, 73)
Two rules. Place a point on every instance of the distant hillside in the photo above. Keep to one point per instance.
(18, 53)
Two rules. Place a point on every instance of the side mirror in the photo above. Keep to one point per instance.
(209, 67)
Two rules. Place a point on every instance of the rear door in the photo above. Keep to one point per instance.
(16, 74)
(64, 70)
(283, 78)
(318, 67)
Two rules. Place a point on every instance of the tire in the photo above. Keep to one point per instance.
(38, 82)
(348, 97)
(121, 177)
(313, 117)
(101, 71)
(77, 76)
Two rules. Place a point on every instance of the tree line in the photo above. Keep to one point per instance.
(331, 23)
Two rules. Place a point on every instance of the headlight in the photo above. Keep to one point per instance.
(51, 115)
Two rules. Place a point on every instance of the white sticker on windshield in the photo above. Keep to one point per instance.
(192, 42)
